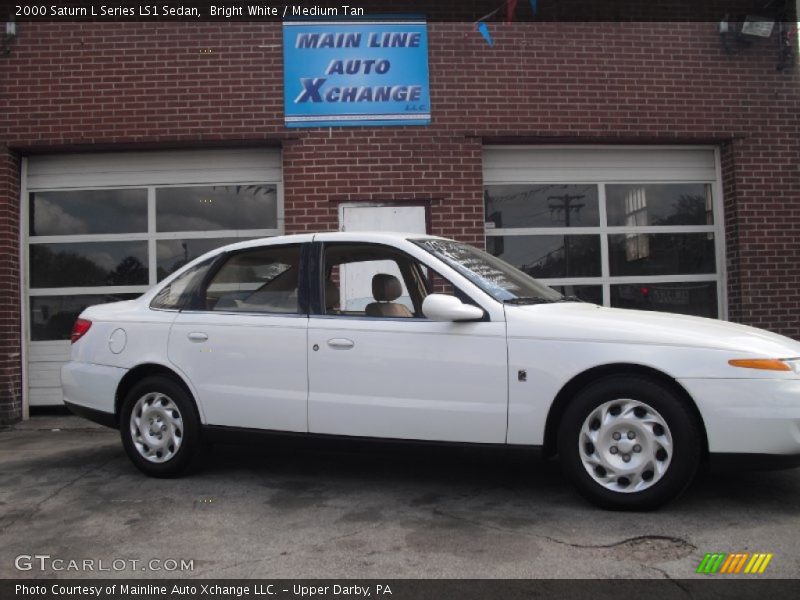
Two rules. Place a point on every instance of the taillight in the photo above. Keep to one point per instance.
(79, 329)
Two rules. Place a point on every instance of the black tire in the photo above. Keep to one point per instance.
(189, 452)
(682, 424)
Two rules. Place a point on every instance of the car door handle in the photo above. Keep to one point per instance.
(197, 336)
(341, 343)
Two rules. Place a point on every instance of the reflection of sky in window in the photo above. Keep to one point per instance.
(213, 208)
(88, 211)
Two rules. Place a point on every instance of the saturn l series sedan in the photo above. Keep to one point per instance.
(410, 337)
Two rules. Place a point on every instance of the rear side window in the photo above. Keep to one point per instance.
(262, 280)
(177, 294)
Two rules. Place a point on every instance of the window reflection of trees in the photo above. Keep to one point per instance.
(689, 209)
(130, 271)
(670, 254)
(576, 256)
(67, 268)
(52, 316)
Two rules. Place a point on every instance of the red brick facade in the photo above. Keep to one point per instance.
(88, 86)
(11, 345)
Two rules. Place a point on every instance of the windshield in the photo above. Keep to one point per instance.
(494, 276)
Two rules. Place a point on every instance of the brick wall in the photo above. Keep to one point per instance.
(69, 87)
(10, 341)
(732, 255)
(409, 164)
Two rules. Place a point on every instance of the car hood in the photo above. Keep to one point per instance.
(588, 322)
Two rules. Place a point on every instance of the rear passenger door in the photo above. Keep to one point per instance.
(242, 342)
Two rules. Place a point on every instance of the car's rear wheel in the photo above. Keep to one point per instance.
(160, 427)
(629, 443)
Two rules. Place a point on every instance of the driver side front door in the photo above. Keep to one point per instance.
(405, 377)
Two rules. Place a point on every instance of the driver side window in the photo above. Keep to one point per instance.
(370, 280)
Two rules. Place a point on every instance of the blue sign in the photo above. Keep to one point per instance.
(355, 73)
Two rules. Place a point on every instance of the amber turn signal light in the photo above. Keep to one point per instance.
(766, 364)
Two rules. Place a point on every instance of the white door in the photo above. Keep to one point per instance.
(248, 370)
(407, 219)
(245, 349)
(408, 379)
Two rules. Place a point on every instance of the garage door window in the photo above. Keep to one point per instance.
(88, 212)
(101, 245)
(636, 245)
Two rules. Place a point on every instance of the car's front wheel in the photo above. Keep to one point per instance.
(629, 443)
(160, 427)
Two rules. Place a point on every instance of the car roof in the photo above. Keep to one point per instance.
(330, 236)
(370, 236)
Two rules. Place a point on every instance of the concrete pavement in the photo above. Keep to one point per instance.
(298, 509)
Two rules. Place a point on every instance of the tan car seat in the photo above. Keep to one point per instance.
(386, 289)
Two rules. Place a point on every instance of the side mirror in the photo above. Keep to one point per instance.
(441, 307)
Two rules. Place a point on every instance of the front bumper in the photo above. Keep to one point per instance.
(90, 390)
(749, 416)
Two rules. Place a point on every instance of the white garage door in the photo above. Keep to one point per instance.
(105, 227)
(632, 227)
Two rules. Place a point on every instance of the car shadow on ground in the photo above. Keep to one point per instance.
(421, 473)
(521, 471)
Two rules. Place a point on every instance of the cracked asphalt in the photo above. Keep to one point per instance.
(299, 509)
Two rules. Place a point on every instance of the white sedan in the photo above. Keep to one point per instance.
(452, 345)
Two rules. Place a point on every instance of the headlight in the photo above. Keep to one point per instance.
(768, 364)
